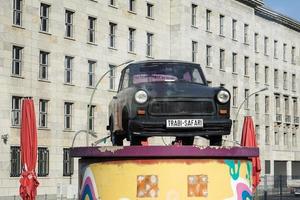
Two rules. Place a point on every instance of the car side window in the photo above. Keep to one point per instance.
(197, 77)
(125, 79)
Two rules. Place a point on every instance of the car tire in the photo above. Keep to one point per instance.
(135, 141)
(116, 140)
(215, 140)
(185, 140)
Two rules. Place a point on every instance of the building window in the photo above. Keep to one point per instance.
(234, 96)
(293, 55)
(267, 105)
(257, 134)
(112, 77)
(92, 117)
(16, 111)
(131, 5)
(256, 42)
(15, 161)
(246, 66)
(246, 33)
(68, 108)
(256, 72)
(194, 15)
(91, 73)
(266, 41)
(286, 106)
(277, 107)
(112, 2)
(295, 109)
(194, 51)
(69, 15)
(17, 60)
(246, 106)
(222, 24)
(43, 72)
(92, 29)
(256, 103)
(44, 15)
(276, 138)
(285, 139)
(294, 140)
(43, 161)
(285, 80)
(234, 130)
(208, 55)
(131, 38)
(294, 82)
(276, 78)
(266, 75)
(267, 167)
(17, 13)
(234, 22)
(149, 44)
(68, 163)
(234, 68)
(43, 113)
(112, 34)
(208, 13)
(68, 69)
(150, 10)
(222, 59)
(284, 52)
(267, 135)
(275, 49)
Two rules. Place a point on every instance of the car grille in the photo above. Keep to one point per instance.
(199, 107)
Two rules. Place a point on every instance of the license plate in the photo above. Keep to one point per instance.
(184, 123)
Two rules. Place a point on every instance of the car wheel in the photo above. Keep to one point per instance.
(185, 140)
(116, 140)
(135, 141)
(215, 140)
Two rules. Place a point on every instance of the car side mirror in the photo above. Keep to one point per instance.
(115, 97)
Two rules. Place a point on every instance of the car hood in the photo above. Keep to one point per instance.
(177, 89)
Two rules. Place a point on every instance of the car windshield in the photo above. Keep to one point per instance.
(164, 72)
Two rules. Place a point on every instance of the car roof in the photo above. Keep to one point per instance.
(161, 61)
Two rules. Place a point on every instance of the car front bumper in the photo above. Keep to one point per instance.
(157, 127)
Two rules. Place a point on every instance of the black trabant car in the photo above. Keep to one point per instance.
(168, 98)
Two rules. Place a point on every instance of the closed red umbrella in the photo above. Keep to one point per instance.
(249, 140)
(28, 144)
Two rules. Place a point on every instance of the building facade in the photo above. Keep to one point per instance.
(55, 51)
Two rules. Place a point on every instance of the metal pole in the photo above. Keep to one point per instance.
(239, 108)
(92, 96)
(280, 186)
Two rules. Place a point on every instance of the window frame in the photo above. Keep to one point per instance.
(16, 111)
(68, 115)
(208, 55)
(43, 67)
(91, 73)
(43, 161)
(91, 117)
(131, 39)
(149, 44)
(92, 29)
(69, 23)
(194, 15)
(208, 20)
(194, 51)
(44, 19)
(68, 163)
(222, 59)
(112, 34)
(112, 77)
(149, 13)
(17, 60)
(68, 69)
(43, 113)
(15, 161)
(17, 13)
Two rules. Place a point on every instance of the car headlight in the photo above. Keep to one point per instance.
(223, 96)
(141, 96)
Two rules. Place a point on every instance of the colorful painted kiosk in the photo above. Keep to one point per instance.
(164, 172)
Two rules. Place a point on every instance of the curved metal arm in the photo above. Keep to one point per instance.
(247, 99)
(92, 96)
(80, 131)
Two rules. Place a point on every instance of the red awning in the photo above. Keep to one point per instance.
(249, 140)
(28, 144)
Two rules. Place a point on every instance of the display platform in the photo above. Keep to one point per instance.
(164, 172)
